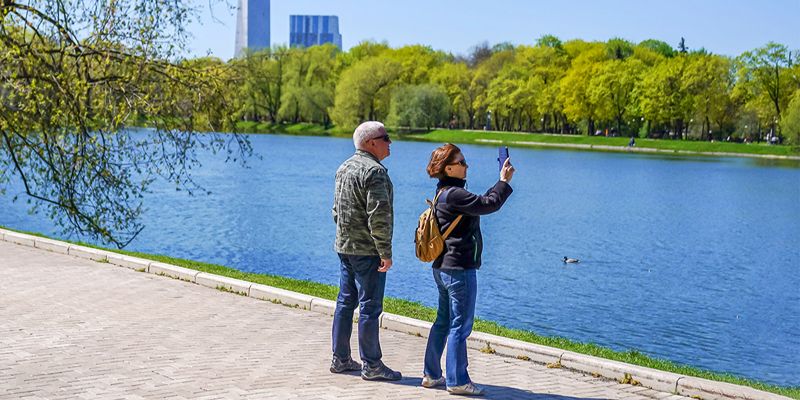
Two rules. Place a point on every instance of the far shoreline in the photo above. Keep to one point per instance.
(548, 141)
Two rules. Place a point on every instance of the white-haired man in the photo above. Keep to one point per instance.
(362, 211)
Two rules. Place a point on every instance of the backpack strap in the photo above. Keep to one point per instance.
(451, 227)
(455, 221)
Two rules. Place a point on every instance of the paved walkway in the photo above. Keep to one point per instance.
(71, 328)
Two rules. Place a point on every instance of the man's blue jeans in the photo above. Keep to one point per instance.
(360, 284)
(457, 293)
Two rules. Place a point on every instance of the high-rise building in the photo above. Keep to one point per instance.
(310, 30)
(252, 26)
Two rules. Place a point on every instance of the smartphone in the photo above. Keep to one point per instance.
(502, 155)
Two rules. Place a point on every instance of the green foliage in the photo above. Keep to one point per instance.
(416, 62)
(790, 123)
(308, 89)
(364, 91)
(658, 46)
(767, 80)
(261, 78)
(419, 106)
(619, 49)
(456, 80)
(550, 41)
(612, 90)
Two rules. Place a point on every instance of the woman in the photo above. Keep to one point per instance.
(455, 270)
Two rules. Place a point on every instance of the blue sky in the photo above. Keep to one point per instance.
(722, 27)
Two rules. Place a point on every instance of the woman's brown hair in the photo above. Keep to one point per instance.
(441, 158)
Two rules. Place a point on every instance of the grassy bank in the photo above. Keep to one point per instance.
(442, 135)
(532, 139)
(417, 310)
(292, 129)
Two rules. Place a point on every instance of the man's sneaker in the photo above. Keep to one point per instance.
(380, 373)
(428, 382)
(470, 389)
(338, 366)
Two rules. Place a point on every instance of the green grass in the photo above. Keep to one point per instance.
(663, 144)
(416, 310)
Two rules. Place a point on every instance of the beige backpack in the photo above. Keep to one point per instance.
(429, 240)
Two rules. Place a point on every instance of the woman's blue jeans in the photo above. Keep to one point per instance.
(457, 293)
(360, 284)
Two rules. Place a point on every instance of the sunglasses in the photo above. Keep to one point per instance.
(385, 138)
(463, 163)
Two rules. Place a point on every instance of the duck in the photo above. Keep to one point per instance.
(571, 260)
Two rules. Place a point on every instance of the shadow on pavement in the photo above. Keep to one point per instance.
(493, 391)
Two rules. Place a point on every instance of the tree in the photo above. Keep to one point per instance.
(484, 74)
(550, 41)
(73, 75)
(709, 79)
(658, 46)
(790, 123)
(682, 46)
(363, 91)
(574, 87)
(663, 97)
(417, 62)
(612, 89)
(766, 73)
(547, 65)
(456, 79)
(419, 106)
(619, 49)
(365, 49)
(309, 84)
(479, 53)
(511, 96)
(262, 78)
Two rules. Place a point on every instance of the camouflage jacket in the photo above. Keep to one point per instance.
(362, 207)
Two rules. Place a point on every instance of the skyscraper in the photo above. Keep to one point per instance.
(252, 26)
(310, 30)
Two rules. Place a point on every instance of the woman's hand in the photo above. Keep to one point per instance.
(507, 172)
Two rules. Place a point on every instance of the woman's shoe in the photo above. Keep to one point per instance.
(428, 382)
(470, 389)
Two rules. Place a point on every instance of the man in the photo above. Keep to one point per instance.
(362, 211)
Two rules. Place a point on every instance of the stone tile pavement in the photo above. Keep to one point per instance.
(78, 329)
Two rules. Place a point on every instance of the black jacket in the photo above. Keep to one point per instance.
(464, 245)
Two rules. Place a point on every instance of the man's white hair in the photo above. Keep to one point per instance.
(366, 131)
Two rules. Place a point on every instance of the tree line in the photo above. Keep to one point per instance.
(573, 87)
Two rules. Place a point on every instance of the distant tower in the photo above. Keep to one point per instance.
(310, 30)
(252, 26)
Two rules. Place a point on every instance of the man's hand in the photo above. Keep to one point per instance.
(386, 263)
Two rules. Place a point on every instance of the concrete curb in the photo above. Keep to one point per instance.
(621, 372)
(51, 245)
(324, 306)
(408, 325)
(706, 389)
(223, 282)
(134, 263)
(282, 296)
(173, 271)
(88, 253)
